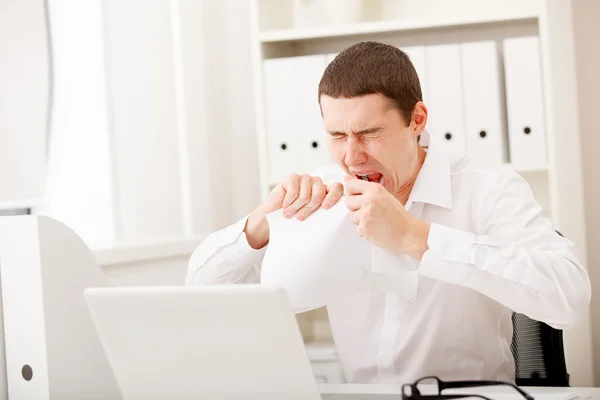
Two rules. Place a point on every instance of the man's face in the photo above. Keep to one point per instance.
(370, 139)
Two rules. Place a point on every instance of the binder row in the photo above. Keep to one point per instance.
(485, 100)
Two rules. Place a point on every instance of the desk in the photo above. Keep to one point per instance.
(392, 392)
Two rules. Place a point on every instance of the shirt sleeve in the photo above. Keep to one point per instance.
(516, 257)
(225, 257)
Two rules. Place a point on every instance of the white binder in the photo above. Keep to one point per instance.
(524, 101)
(417, 57)
(52, 348)
(446, 120)
(483, 120)
(295, 133)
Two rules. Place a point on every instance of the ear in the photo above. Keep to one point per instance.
(419, 118)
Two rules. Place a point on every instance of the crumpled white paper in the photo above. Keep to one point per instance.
(323, 258)
(315, 260)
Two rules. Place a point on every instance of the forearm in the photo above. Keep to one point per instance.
(225, 257)
(545, 282)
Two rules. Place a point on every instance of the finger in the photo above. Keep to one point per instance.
(360, 230)
(355, 202)
(334, 194)
(355, 216)
(292, 188)
(356, 186)
(302, 199)
(318, 194)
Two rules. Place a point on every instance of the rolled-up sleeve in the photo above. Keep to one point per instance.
(225, 257)
(514, 256)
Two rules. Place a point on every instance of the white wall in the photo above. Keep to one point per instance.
(158, 264)
(586, 14)
(24, 95)
(566, 182)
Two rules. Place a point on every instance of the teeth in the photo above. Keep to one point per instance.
(365, 178)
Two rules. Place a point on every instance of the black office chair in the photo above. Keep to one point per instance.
(538, 352)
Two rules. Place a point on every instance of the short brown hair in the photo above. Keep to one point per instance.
(373, 68)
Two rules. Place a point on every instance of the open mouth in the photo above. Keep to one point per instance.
(373, 177)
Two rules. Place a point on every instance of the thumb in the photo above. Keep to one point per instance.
(276, 197)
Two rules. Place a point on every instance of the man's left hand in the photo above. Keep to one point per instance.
(382, 219)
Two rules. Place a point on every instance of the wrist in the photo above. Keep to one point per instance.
(419, 240)
(257, 230)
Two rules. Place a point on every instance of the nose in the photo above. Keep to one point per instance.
(355, 154)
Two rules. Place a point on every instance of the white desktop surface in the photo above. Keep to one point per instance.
(388, 392)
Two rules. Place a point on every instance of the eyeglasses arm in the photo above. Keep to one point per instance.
(443, 396)
(465, 384)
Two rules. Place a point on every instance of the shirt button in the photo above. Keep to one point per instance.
(392, 315)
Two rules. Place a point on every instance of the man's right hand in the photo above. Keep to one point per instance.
(299, 196)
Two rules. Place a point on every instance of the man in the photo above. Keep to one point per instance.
(482, 247)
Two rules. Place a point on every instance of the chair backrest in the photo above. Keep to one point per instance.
(538, 352)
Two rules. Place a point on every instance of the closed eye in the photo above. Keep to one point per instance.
(368, 131)
(363, 132)
(337, 135)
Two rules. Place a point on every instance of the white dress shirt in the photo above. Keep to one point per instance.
(491, 252)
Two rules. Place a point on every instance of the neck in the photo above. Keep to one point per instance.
(407, 187)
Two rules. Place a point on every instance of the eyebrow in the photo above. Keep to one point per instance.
(361, 132)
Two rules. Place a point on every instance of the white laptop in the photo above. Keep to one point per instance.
(213, 342)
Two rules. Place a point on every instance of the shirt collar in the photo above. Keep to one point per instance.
(433, 183)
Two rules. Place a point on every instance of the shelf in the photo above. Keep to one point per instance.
(526, 169)
(124, 253)
(367, 28)
(21, 204)
(321, 351)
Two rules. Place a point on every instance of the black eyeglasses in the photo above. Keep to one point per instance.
(410, 391)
